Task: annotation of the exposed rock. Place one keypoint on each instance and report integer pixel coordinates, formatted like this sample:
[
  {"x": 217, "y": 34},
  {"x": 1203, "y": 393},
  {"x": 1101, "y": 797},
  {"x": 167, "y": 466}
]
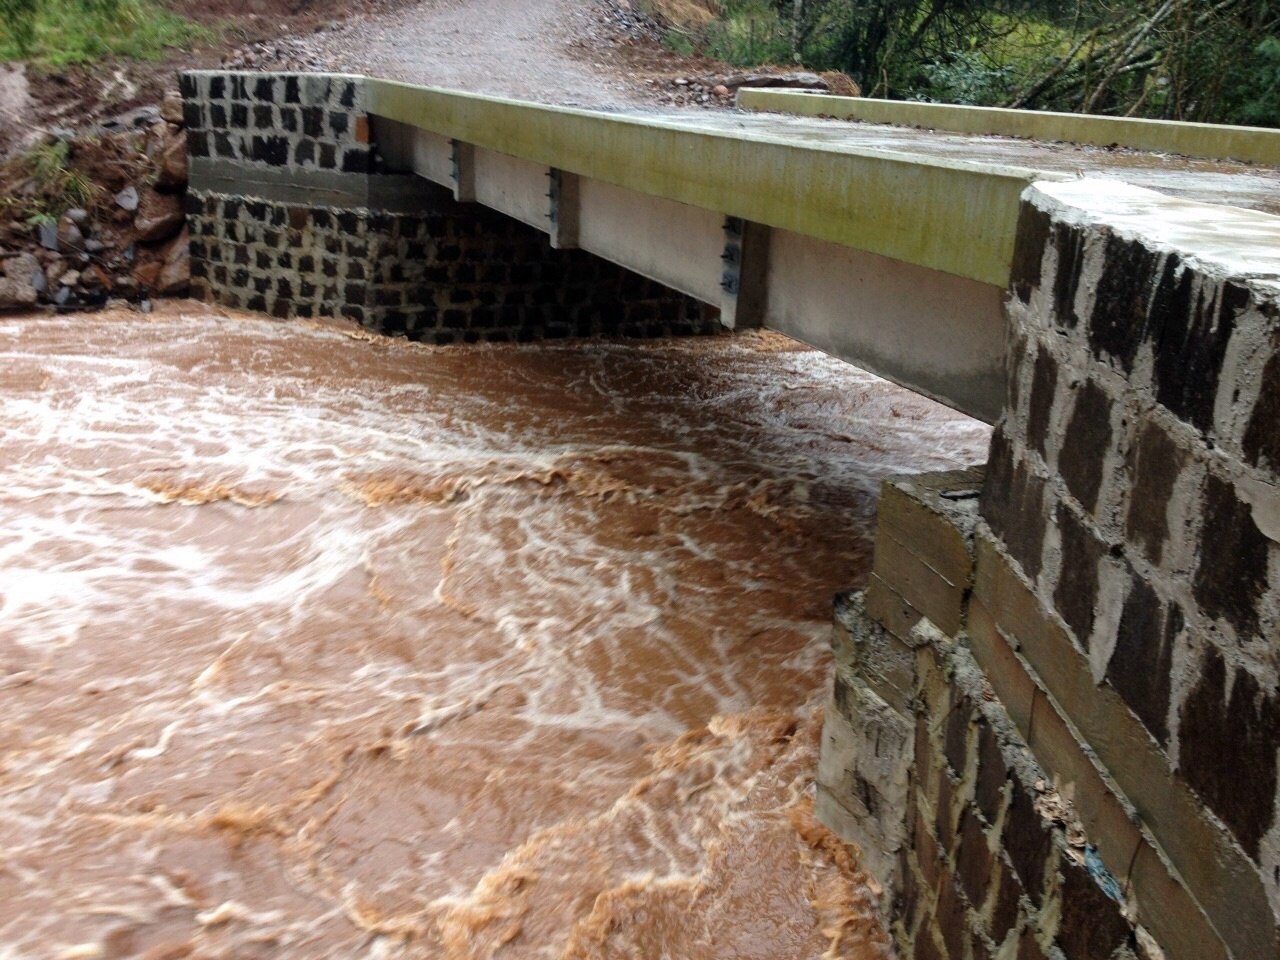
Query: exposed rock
[
  {"x": 175, "y": 274},
  {"x": 171, "y": 108},
  {"x": 148, "y": 274},
  {"x": 95, "y": 278},
  {"x": 794, "y": 81},
  {"x": 69, "y": 235},
  {"x": 18, "y": 285},
  {"x": 160, "y": 215},
  {"x": 78, "y": 216},
  {"x": 70, "y": 278},
  {"x": 127, "y": 199},
  {"x": 172, "y": 175},
  {"x": 48, "y": 235}
]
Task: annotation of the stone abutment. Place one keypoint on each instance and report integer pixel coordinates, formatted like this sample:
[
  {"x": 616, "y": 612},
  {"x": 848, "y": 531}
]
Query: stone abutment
[
  {"x": 1056, "y": 717},
  {"x": 293, "y": 213}
]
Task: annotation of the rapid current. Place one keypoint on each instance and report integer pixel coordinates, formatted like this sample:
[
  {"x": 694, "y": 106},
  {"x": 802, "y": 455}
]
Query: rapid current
[{"x": 315, "y": 644}]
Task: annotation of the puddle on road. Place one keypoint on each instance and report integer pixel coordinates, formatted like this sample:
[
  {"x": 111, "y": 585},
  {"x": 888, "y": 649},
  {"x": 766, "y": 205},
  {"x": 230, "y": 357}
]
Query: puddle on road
[{"x": 314, "y": 644}]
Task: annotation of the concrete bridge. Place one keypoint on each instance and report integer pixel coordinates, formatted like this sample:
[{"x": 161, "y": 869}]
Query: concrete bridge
[{"x": 1055, "y": 722}]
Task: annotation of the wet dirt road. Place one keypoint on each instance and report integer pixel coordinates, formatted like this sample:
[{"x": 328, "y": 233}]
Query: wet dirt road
[{"x": 316, "y": 644}]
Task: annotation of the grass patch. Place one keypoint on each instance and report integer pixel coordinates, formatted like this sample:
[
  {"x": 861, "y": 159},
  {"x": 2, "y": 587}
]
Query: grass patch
[
  {"x": 743, "y": 33},
  {"x": 59, "y": 33}
]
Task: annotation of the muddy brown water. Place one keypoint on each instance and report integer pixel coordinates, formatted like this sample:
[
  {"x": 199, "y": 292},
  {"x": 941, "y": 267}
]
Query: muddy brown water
[{"x": 317, "y": 644}]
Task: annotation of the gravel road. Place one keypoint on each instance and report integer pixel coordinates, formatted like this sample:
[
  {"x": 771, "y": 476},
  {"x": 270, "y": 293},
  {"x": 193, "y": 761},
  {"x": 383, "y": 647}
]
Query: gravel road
[{"x": 553, "y": 51}]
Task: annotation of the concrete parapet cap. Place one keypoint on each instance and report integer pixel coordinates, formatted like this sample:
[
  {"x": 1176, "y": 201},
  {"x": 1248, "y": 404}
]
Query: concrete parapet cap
[
  {"x": 1212, "y": 140},
  {"x": 1227, "y": 241}
]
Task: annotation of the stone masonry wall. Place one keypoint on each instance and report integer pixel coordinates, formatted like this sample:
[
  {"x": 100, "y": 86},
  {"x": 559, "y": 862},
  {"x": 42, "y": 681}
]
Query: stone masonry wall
[
  {"x": 454, "y": 274},
  {"x": 980, "y": 855},
  {"x": 1133, "y": 483},
  {"x": 1056, "y": 713},
  {"x": 292, "y": 215},
  {"x": 296, "y": 121}
]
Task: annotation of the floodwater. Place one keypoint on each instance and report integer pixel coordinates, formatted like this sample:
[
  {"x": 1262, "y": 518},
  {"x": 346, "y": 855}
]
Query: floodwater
[{"x": 317, "y": 644}]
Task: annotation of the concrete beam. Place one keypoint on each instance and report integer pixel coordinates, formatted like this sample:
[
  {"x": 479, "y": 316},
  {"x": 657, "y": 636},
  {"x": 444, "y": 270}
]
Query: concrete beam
[
  {"x": 1210, "y": 140},
  {"x": 566, "y": 209},
  {"x": 462, "y": 172},
  {"x": 744, "y": 302},
  {"x": 951, "y": 216}
]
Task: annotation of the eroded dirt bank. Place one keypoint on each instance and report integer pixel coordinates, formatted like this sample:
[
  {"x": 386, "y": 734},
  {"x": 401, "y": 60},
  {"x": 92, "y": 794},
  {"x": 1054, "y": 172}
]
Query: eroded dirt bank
[{"x": 318, "y": 645}]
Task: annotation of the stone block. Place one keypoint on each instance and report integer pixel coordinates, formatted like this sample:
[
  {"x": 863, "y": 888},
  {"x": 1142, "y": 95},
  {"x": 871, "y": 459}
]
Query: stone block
[
  {"x": 1032, "y": 237},
  {"x": 1091, "y": 925},
  {"x": 973, "y": 859},
  {"x": 1141, "y": 664},
  {"x": 1076, "y": 594},
  {"x": 1231, "y": 576},
  {"x": 992, "y": 774},
  {"x": 1013, "y": 504},
  {"x": 1262, "y": 436},
  {"x": 1068, "y": 243},
  {"x": 1192, "y": 319},
  {"x": 1044, "y": 388},
  {"x": 1118, "y": 324},
  {"x": 919, "y": 584},
  {"x": 1086, "y": 443},
  {"x": 933, "y": 515},
  {"x": 889, "y": 608},
  {"x": 952, "y": 920},
  {"x": 1155, "y": 463},
  {"x": 1238, "y": 783},
  {"x": 955, "y": 743},
  {"x": 1027, "y": 842},
  {"x": 1007, "y": 904}
]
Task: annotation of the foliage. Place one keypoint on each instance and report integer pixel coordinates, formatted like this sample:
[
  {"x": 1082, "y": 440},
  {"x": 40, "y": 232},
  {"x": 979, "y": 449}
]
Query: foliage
[
  {"x": 1206, "y": 60},
  {"x": 52, "y": 188},
  {"x": 57, "y": 33}
]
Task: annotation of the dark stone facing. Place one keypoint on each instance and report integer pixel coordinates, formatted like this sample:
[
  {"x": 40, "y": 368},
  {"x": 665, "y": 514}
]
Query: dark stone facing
[
  {"x": 1028, "y": 252},
  {"x": 1232, "y": 573},
  {"x": 1069, "y": 243},
  {"x": 1192, "y": 328},
  {"x": 1118, "y": 325},
  {"x": 299, "y": 261},
  {"x": 1013, "y": 498},
  {"x": 973, "y": 859},
  {"x": 1077, "y": 593},
  {"x": 1027, "y": 842},
  {"x": 956, "y": 741},
  {"x": 1044, "y": 385},
  {"x": 1141, "y": 663},
  {"x": 993, "y": 773},
  {"x": 1262, "y": 437},
  {"x": 1155, "y": 463},
  {"x": 1092, "y": 925},
  {"x": 1238, "y": 784},
  {"x": 1086, "y": 443}
]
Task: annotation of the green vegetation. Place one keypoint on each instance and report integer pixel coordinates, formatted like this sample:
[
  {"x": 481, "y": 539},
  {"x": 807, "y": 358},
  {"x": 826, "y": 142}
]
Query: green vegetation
[
  {"x": 52, "y": 188},
  {"x": 58, "y": 33},
  {"x": 1207, "y": 60}
]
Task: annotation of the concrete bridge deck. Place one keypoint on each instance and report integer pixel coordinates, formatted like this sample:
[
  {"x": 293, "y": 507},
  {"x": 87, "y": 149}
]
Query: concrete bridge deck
[
  {"x": 1206, "y": 180},
  {"x": 888, "y": 247}
]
